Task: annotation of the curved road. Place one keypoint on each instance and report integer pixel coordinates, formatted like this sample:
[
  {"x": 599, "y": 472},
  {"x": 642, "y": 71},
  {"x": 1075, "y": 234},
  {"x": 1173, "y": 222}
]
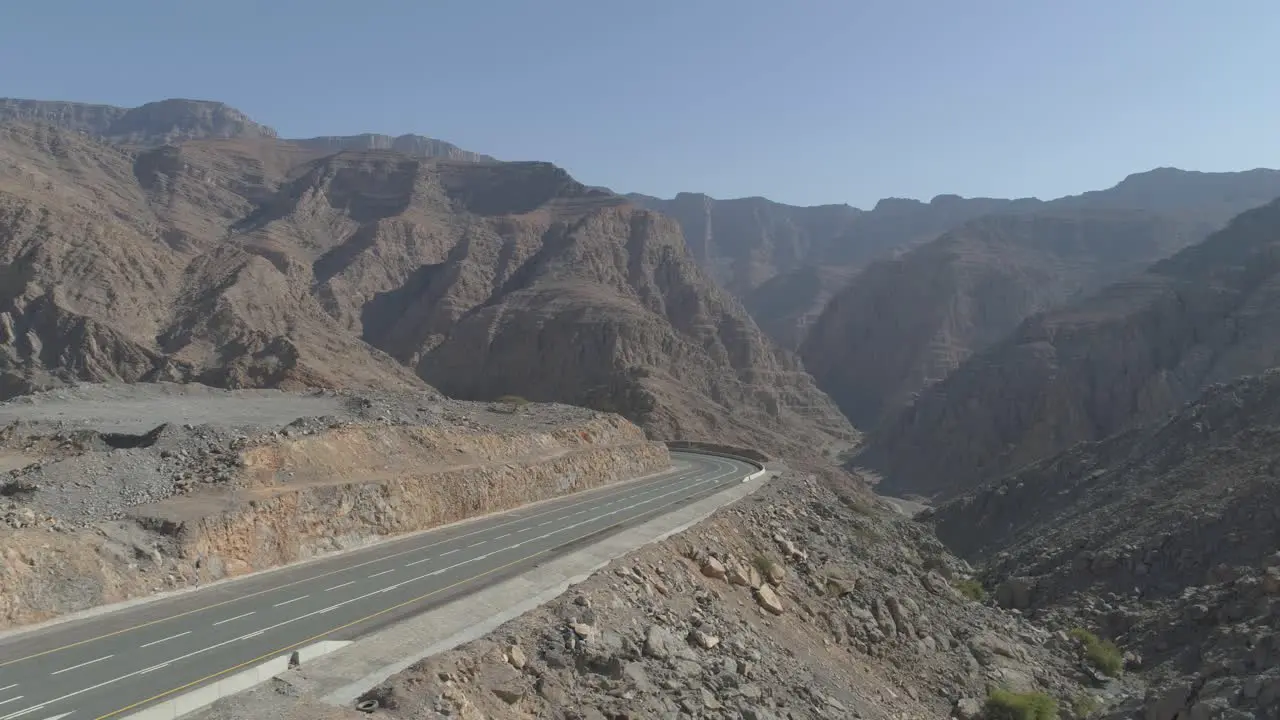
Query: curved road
[{"x": 115, "y": 664}]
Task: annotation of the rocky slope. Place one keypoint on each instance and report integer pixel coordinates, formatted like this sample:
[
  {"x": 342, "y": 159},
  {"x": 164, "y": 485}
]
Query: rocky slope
[
  {"x": 801, "y": 601},
  {"x": 1132, "y": 352},
  {"x": 1162, "y": 537},
  {"x": 259, "y": 263},
  {"x": 905, "y": 323},
  {"x": 785, "y": 262},
  {"x": 154, "y": 123},
  {"x": 175, "y": 120},
  {"x": 119, "y": 265},
  {"x": 104, "y": 512},
  {"x": 412, "y": 145}
]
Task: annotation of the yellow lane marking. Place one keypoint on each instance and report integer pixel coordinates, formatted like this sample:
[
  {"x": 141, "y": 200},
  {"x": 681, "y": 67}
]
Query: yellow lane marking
[
  {"x": 238, "y": 598},
  {"x": 313, "y": 638}
]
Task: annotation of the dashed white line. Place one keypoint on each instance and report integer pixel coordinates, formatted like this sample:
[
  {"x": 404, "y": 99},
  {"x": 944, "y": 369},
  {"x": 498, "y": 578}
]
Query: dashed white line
[
  {"x": 502, "y": 536},
  {"x": 8, "y": 687},
  {"x": 384, "y": 572},
  {"x": 449, "y": 552},
  {"x": 525, "y": 529},
  {"x": 477, "y": 544},
  {"x": 171, "y": 637},
  {"x": 233, "y": 619},
  {"x": 335, "y": 587},
  {"x": 418, "y": 562},
  {"x": 76, "y": 667},
  {"x": 286, "y": 602},
  {"x": 12, "y": 699},
  {"x": 164, "y": 664}
]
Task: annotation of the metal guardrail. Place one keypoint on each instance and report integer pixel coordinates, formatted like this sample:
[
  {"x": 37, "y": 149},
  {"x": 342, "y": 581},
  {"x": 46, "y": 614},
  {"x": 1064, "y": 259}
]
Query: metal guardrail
[{"x": 751, "y": 457}]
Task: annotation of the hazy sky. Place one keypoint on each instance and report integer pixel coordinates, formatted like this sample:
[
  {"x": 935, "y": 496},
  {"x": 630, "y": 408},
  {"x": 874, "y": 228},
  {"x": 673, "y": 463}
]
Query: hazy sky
[{"x": 802, "y": 101}]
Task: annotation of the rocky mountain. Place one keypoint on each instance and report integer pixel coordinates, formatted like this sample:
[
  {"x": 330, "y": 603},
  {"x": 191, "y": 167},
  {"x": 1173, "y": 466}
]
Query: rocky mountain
[
  {"x": 412, "y": 145},
  {"x": 907, "y": 322},
  {"x": 154, "y": 123},
  {"x": 263, "y": 263},
  {"x": 787, "y": 262},
  {"x": 1134, "y": 351},
  {"x": 1162, "y": 537},
  {"x": 175, "y": 120}
]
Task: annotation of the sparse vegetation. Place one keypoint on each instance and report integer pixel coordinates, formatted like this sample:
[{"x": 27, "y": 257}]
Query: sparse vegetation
[
  {"x": 1083, "y": 705},
  {"x": 1007, "y": 705},
  {"x": 1102, "y": 654},
  {"x": 515, "y": 400},
  {"x": 762, "y": 563},
  {"x": 972, "y": 589}
]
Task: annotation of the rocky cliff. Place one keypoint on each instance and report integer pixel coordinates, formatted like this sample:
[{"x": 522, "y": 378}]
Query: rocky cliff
[
  {"x": 97, "y": 517},
  {"x": 905, "y": 323},
  {"x": 260, "y": 263},
  {"x": 176, "y": 120},
  {"x": 785, "y": 262},
  {"x": 1132, "y": 352},
  {"x": 1162, "y": 537},
  {"x": 154, "y": 123},
  {"x": 413, "y": 145}
]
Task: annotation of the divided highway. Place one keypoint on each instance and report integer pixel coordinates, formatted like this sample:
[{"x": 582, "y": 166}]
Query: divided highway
[{"x": 115, "y": 664}]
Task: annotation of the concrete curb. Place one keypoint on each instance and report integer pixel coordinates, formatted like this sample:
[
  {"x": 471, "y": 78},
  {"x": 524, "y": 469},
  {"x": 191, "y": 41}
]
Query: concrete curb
[{"x": 207, "y": 695}]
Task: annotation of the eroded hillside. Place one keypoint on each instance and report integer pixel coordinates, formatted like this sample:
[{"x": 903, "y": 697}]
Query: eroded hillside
[
  {"x": 1132, "y": 352},
  {"x": 260, "y": 263}
]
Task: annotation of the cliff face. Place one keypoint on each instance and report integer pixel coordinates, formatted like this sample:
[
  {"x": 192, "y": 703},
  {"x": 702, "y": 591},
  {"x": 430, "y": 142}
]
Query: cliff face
[
  {"x": 260, "y": 263},
  {"x": 287, "y": 497},
  {"x": 786, "y": 262},
  {"x": 154, "y": 123},
  {"x": 1173, "y": 523},
  {"x": 905, "y": 323},
  {"x": 494, "y": 279},
  {"x": 413, "y": 145},
  {"x": 1130, "y": 353}
]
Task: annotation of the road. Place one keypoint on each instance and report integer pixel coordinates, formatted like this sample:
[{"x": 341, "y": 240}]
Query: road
[{"x": 115, "y": 664}]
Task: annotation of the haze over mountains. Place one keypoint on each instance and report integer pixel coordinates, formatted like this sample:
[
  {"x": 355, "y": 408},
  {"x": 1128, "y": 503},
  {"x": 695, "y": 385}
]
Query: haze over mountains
[
  {"x": 1042, "y": 369},
  {"x": 252, "y": 261}
]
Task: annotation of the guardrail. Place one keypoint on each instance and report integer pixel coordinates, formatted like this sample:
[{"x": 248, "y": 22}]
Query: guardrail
[{"x": 746, "y": 455}]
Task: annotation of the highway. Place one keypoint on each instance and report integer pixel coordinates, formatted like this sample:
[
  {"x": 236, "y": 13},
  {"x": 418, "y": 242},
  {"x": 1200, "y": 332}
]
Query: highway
[{"x": 115, "y": 664}]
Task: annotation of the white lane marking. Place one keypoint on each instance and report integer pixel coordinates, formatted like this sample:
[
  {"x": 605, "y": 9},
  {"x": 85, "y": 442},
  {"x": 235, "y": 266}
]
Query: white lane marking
[
  {"x": 502, "y": 536},
  {"x": 12, "y": 699},
  {"x": 525, "y": 529},
  {"x": 233, "y": 619},
  {"x": 477, "y": 544},
  {"x": 77, "y": 667},
  {"x": 419, "y": 562},
  {"x": 450, "y": 552},
  {"x": 253, "y": 634},
  {"x": 171, "y": 637},
  {"x": 288, "y": 602},
  {"x": 81, "y": 691},
  {"x": 545, "y": 523},
  {"x": 59, "y": 717},
  {"x": 384, "y": 572},
  {"x": 156, "y": 667},
  {"x": 8, "y": 687},
  {"x": 335, "y": 587}
]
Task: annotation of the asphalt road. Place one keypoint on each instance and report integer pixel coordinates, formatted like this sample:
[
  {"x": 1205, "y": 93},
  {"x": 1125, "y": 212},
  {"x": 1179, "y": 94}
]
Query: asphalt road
[{"x": 118, "y": 663}]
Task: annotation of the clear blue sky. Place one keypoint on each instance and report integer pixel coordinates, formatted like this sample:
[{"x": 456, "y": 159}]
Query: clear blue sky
[{"x": 802, "y": 101}]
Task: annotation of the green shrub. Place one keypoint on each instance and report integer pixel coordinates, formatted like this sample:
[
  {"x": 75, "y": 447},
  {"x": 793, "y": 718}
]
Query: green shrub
[
  {"x": 971, "y": 589},
  {"x": 1083, "y": 705},
  {"x": 513, "y": 400},
  {"x": 1102, "y": 654},
  {"x": 1006, "y": 705},
  {"x": 764, "y": 563}
]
